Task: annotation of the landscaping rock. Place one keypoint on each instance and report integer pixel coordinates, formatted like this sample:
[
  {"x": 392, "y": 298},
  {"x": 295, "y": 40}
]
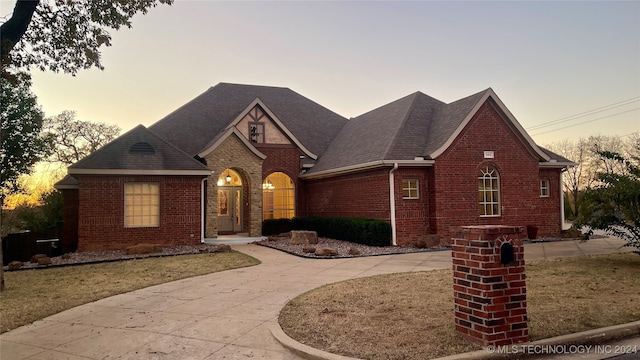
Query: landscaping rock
[
  {"x": 354, "y": 251},
  {"x": 66, "y": 256},
  {"x": 44, "y": 261},
  {"x": 223, "y": 248},
  {"x": 303, "y": 237},
  {"x": 14, "y": 265},
  {"x": 34, "y": 258},
  {"x": 326, "y": 252},
  {"x": 428, "y": 241},
  {"x": 144, "y": 249},
  {"x": 309, "y": 249}
]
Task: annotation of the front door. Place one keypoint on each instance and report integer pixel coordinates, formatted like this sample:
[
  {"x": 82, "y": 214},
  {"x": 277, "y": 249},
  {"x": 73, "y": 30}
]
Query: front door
[{"x": 229, "y": 202}]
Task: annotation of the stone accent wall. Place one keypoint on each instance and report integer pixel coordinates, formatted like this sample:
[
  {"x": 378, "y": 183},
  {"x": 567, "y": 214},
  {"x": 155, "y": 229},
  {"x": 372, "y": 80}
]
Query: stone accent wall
[
  {"x": 233, "y": 154},
  {"x": 101, "y": 212},
  {"x": 490, "y": 297}
]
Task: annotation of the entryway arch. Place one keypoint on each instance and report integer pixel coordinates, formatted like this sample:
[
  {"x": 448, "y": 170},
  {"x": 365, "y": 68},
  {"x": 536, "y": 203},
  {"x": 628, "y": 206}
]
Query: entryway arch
[{"x": 278, "y": 197}]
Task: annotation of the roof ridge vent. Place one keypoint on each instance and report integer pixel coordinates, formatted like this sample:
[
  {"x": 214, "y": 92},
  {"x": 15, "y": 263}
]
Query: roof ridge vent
[{"x": 142, "y": 148}]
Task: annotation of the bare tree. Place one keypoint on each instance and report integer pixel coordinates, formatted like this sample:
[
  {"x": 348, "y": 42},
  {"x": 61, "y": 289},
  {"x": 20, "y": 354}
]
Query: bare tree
[{"x": 74, "y": 139}]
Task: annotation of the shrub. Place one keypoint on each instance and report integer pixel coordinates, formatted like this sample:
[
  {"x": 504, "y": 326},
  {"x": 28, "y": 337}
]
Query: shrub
[{"x": 358, "y": 230}]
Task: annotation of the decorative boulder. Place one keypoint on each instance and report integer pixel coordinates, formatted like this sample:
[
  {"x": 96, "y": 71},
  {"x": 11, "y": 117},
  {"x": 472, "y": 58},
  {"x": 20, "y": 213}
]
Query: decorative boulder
[
  {"x": 14, "y": 265},
  {"x": 354, "y": 252},
  {"x": 303, "y": 237},
  {"x": 143, "y": 249},
  {"x": 34, "y": 258},
  {"x": 309, "y": 249},
  {"x": 326, "y": 252},
  {"x": 223, "y": 248},
  {"x": 66, "y": 256},
  {"x": 44, "y": 261}
]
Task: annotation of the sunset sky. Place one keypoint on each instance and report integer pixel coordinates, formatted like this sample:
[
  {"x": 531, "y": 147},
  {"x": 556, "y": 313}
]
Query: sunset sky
[{"x": 547, "y": 61}]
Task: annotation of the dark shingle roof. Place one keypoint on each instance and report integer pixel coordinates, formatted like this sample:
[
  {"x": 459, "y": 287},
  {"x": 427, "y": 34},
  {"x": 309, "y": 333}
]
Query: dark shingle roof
[
  {"x": 556, "y": 157},
  {"x": 411, "y": 127},
  {"x": 197, "y": 123},
  {"x": 138, "y": 149}
]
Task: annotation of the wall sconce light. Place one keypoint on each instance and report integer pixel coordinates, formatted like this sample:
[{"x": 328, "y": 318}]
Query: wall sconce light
[{"x": 228, "y": 178}]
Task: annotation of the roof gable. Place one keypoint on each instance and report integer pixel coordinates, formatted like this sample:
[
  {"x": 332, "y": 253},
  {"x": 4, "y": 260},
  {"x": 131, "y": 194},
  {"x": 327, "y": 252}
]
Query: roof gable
[
  {"x": 259, "y": 108},
  {"x": 139, "y": 151},
  {"x": 457, "y": 115}
]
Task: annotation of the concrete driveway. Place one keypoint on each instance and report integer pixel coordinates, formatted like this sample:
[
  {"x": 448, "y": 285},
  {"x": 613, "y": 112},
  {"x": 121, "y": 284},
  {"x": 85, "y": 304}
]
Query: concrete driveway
[{"x": 225, "y": 315}]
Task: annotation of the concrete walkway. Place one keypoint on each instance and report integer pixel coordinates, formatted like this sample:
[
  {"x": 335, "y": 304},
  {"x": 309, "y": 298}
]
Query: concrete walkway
[{"x": 225, "y": 315}]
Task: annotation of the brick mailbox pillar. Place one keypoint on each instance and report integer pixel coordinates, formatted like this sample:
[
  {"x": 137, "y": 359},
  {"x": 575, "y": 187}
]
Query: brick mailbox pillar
[{"x": 490, "y": 294}]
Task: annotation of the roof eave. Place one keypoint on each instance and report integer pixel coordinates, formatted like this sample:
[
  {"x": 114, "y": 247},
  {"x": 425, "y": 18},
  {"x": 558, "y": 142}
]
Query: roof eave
[
  {"x": 556, "y": 164},
  {"x": 139, "y": 172},
  {"x": 366, "y": 166}
]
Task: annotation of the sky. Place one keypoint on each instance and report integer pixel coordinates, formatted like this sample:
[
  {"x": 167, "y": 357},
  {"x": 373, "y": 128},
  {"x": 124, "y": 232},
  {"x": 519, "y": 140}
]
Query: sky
[{"x": 565, "y": 70}]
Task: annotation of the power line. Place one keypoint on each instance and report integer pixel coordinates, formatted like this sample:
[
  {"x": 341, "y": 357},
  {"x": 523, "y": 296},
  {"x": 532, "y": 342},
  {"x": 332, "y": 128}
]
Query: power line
[
  {"x": 588, "y": 121},
  {"x": 585, "y": 113}
]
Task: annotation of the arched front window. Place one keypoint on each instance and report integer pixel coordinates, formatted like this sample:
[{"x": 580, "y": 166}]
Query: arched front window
[
  {"x": 489, "y": 191},
  {"x": 278, "y": 197}
]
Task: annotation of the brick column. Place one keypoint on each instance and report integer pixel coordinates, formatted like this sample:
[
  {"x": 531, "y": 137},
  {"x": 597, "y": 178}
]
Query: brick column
[{"x": 489, "y": 296}]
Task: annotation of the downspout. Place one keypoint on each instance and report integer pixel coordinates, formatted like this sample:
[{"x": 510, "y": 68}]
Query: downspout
[
  {"x": 392, "y": 204},
  {"x": 561, "y": 202},
  {"x": 202, "y": 199}
]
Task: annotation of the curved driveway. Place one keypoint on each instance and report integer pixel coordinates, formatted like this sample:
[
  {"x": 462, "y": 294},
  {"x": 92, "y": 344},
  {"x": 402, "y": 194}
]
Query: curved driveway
[{"x": 225, "y": 315}]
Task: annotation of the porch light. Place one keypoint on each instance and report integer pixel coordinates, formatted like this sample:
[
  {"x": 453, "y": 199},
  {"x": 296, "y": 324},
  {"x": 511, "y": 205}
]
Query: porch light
[{"x": 228, "y": 178}]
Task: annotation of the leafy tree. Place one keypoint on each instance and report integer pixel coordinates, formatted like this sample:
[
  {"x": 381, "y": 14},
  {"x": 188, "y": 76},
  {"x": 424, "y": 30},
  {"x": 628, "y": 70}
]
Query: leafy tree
[
  {"x": 22, "y": 143},
  {"x": 74, "y": 139},
  {"x": 64, "y": 35},
  {"x": 613, "y": 205}
]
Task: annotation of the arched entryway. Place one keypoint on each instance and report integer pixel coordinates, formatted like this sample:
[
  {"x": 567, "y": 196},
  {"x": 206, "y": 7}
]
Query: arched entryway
[
  {"x": 230, "y": 204},
  {"x": 278, "y": 197}
]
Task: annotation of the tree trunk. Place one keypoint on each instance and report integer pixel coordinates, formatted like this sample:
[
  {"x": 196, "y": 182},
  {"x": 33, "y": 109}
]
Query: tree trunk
[
  {"x": 12, "y": 31},
  {"x": 1, "y": 268}
]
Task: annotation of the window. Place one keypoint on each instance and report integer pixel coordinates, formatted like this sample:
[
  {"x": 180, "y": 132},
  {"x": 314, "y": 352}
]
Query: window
[
  {"x": 141, "y": 204},
  {"x": 256, "y": 132},
  {"x": 410, "y": 189},
  {"x": 544, "y": 188},
  {"x": 489, "y": 192},
  {"x": 278, "y": 198}
]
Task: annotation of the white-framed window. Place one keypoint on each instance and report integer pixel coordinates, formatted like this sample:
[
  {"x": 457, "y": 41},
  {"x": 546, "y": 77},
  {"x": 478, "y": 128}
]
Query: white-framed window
[
  {"x": 141, "y": 204},
  {"x": 544, "y": 188},
  {"x": 410, "y": 189},
  {"x": 489, "y": 191}
]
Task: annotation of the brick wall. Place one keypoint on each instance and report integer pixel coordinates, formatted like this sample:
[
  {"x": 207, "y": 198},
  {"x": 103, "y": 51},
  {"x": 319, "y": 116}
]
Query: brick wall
[
  {"x": 101, "y": 212},
  {"x": 69, "y": 237},
  {"x": 455, "y": 198},
  {"x": 412, "y": 216},
  {"x": 364, "y": 194}
]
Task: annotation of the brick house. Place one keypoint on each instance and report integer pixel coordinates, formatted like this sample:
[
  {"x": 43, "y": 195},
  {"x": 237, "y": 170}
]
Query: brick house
[{"x": 238, "y": 154}]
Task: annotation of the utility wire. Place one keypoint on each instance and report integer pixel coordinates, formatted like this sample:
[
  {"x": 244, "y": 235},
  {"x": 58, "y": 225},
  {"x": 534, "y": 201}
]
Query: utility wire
[
  {"x": 586, "y": 113},
  {"x": 588, "y": 121}
]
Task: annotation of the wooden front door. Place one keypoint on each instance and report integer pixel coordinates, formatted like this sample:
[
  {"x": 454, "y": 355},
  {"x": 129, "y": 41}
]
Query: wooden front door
[{"x": 230, "y": 209}]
